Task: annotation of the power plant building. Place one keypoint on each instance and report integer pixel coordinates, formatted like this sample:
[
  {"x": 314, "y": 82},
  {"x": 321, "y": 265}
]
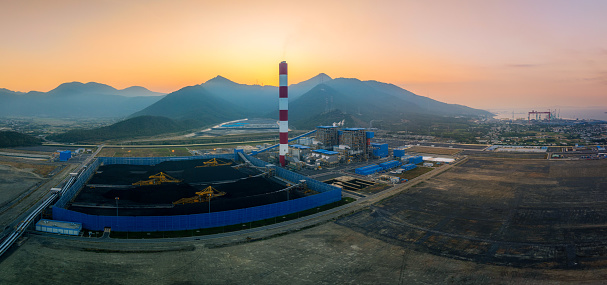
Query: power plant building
[
  {"x": 330, "y": 157},
  {"x": 327, "y": 136},
  {"x": 380, "y": 149},
  {"x": 356, "y": 139},
  {"x": 65, "y": 155},
  {"x": 299, "y": 151}
]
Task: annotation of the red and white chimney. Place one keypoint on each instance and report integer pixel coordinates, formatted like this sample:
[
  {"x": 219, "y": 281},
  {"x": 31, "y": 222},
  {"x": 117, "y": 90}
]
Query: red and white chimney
[{"x": 283, "y": 107}]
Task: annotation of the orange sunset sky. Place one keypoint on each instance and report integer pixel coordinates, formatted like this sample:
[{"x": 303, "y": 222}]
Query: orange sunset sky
[{"x": 483, "y": 53}]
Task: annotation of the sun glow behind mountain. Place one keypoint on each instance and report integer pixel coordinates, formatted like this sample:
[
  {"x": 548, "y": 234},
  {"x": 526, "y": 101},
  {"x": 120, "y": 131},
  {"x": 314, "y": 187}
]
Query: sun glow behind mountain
[{"x": 477, "y": 53}]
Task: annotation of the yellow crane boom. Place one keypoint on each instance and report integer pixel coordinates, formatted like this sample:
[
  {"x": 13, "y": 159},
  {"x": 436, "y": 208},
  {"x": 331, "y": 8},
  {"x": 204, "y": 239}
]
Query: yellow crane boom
[
  {"x": 203, "y": 196},
  {"x": 214, "y": 162},
  {"x": 157, "y": 179}
]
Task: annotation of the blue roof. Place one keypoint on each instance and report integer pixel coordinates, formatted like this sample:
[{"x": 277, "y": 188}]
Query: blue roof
[
  {"x": 353, "y": 129},
  {"x": 323, "y": 151},
  {"x": 326, "y": 127},
  {"x": 299, "y": 146}
]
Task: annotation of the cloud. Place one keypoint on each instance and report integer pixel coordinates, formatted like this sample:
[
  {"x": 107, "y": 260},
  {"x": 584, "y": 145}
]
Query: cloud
[
  {"x": 523, "y": 65},
  {"x": 601, "y": 77}
]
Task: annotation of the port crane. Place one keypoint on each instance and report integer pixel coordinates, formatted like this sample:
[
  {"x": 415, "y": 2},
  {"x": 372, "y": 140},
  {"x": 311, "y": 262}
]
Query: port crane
[
  {"x": 203, "y": 196},
  {"x": 157, "y": 179},
  {"x": 214, "y": 162}
]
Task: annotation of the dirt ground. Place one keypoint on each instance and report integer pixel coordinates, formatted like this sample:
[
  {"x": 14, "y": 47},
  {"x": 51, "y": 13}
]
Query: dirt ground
[
  {"x": 434, "y": 150},
  {"x": 14, "y": 181},
  {"x": 487, "y": 221},
  {"x": 17, "y": 175},
  {"x": 22, "y": 185},
  {"x": 525, "y": 213},
  {"x": 40, "y": 169},
  {"x": 326, "y": 254}
]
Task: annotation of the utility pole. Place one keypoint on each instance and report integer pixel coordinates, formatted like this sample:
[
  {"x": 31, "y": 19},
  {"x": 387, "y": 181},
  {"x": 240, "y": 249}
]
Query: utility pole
[{"x": 117, "y": 198}]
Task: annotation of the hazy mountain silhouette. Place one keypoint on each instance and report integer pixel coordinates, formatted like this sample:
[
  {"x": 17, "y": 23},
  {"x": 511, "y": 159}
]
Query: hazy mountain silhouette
[
  {"x": 75, "y": 99},
  {"x": 426, "y": 104},
  {"x": 221, "y": 99},
  {"x": 194, "y": 103},
  {"x": 253, "y": 98},
  {"x": 257, "y": 99},
  {"x": 296, "y": 90},
  {"x": 367, "y": 100},
  {"x": 318, "y": 100},
  {"x": 138, "y": 91}
]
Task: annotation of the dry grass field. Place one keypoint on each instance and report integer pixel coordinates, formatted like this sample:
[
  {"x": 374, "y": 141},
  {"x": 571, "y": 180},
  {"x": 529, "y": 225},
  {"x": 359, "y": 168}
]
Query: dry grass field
[
  {"x": 433, "y": 150},
  {"x": 40, "y": 169},
  {"x": 144, "y": 152}
]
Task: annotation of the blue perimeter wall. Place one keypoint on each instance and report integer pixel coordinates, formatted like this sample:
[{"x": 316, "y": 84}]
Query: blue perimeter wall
[{"x": 327, "y": 194}]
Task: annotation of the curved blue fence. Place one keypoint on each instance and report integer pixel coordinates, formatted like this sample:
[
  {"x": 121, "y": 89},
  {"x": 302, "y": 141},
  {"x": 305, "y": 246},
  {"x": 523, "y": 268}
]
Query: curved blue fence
[{"x": 328, "y": 194}]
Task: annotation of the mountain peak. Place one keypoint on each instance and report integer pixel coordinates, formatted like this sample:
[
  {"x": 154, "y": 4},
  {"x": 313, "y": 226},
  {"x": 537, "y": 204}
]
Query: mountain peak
[
  {"x": 220, "y": 79},
  {"x": 79, "y": 87},
  {"x": 318, "y": 79},
  {"x": 135, "y": 91},
  {"x": 322, "y": 76},
  {"x": 69, "y": 84},
  {"x": 136, "y": 88}
]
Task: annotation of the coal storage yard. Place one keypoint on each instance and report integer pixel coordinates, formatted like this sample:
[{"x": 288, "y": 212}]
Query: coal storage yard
[{"x": 243, "y": 187}]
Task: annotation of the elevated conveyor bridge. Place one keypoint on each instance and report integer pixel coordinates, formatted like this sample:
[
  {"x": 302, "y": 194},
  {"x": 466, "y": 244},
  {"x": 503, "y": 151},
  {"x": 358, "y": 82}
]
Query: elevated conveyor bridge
[{"x": 276, "y": 145}]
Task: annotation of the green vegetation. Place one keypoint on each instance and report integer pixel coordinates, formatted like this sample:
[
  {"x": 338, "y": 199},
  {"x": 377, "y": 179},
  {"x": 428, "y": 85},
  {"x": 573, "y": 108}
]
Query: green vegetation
[
  {"x": 375, "y": 188},
  {"x": 415, "y": 172},
  {"x": 327, "y": 118},
  {"x": 458, "y": 129},
  {"x": 230, "y": 228},
  {"x": 196, "y": 104},
  {"x": 12, "y": 139},
  {"x": 221, "y": 141},
  {"x": 144, "y": 152},
  {"x": 136, "y": 127},
  {"x": 366, "y": 101}
]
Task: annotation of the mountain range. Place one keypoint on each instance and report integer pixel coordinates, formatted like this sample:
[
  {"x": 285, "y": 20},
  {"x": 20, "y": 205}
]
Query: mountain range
[
  {"x": 220, "y": 99},
  {"x": 316, "y": 101},
  {"x": 77, "y": 100}
]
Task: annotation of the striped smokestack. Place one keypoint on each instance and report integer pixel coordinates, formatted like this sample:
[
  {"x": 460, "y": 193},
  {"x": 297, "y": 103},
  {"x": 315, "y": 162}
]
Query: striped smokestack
[{"x": 283, "y": 107}]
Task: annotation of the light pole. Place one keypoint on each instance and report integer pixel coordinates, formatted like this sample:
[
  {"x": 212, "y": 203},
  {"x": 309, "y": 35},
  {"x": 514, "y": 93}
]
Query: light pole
[{"x": 117, "y": 198}]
